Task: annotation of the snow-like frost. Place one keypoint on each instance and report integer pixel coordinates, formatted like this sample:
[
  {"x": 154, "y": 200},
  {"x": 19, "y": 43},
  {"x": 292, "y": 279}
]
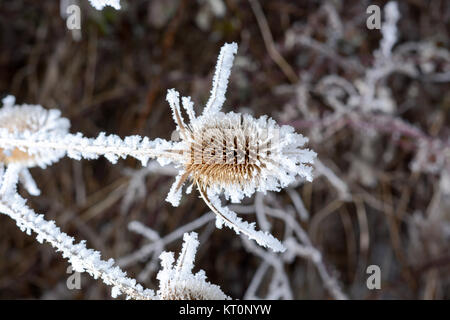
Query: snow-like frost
[
  {"x": 100, "y": 4},
  {"x": 232, "y": 221},
  {"x": 233, "y": 154},
  {"x": 29, "y": 122},
  {"x": 239, "y": 154},
  {"x": 33, "y": 136},
  {"x": 174, "y": 195},
  {"x": 389, "y": 28},
  {"x": 81, "y": 258},
  {"x": 177, "y": 282},
  {"x": 220, "y": 80}
]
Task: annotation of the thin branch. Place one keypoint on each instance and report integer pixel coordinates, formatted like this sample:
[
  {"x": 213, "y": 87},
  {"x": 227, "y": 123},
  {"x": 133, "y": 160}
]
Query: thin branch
[{"x": 81, "y": 258}]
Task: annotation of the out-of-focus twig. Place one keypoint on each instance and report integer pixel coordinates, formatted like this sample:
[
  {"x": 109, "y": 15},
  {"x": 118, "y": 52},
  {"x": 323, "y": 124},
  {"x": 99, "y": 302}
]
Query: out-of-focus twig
[{"x": 269, "y": 43}]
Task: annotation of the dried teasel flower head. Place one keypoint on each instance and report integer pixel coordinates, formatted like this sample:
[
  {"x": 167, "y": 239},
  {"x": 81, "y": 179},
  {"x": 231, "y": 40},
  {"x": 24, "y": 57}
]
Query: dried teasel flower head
[
  {"x": 22, "y": 122},
  {"x": 237, "y": 155},
  {"x": 234, "y": 154}
]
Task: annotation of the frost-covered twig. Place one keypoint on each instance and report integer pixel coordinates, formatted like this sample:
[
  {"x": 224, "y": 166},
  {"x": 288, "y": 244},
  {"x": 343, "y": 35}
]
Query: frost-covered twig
[
  {"x": 284, "y": 290},
  {"x": 225, "y": 216},
  {"x": 159, "y": 245},
  {"x": 303, "y": 248},
  {"x": 298, "y": 204},
  {"x": 81, "y": 258},
  {"x": 100, "y": 4},
  {"x": 139, "y": 228},
  {"x": 250, "y": 293},
  {"x": 33, "y": 136},
  {"x": 389, "y": 28},
  {"x": 337, "y": 182}
]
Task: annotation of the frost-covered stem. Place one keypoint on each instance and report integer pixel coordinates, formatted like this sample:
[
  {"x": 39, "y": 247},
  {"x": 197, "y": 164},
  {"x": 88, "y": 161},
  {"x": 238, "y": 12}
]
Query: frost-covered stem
[
  {"x": 177, "y": 282},
  {"x": 250, "y": 294},
  {"x": 225, "y": 216},
  {"x": 81, "y": 258},
  {"x": 221, "y": 75},
  {"x": 310, "y": 252},
  {"x": 143, "y": 230},
  {"x": 100, "y": 4},
  {"x": 76, "y": 146},
  {"x": 389, "y": 28},
  {"x": 148, "y": 249}
]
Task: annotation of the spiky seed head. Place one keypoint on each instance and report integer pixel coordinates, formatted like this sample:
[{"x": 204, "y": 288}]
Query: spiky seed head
[{"x": 237, "y": 154}]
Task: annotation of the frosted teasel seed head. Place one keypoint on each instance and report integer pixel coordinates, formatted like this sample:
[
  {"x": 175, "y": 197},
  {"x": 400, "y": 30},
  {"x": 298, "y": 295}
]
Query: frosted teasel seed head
[
  {"x": 234, "y": 154},
  {"x": 29, "y": 122}
]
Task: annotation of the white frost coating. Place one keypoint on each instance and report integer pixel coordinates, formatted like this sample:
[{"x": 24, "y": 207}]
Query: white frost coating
[
  {"x": 141, "y": 229},
  {"x": 389, "y": 28},
  {"x": 81, "y": 258},
  {"x": 174, "y": 195},
  {"x": 278, "y": 169},
  {"x": 33, "y": 136},
  {"x": 8, "y": 179},
  {"x": 173, "y": 99},
  {"x": 100, "y": 4},
  {"x": 29, "y": 122},
  {"x": 185, "y": 262},
  {"x": 8, "y": 101},
  {"x": 45, "y": 148},
  {"x": 28, "y": 182},
  {"x": 232, "y": 221},
  {"x": 188, "y": 105},
  {"x": 177, "y": 282},
  {"x": 221, "y": 75}
]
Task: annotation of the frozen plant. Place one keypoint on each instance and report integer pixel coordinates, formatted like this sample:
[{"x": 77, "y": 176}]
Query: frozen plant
[
  {"x": 33, "y": 136},
  {"x": 234, "y": 154},
  {"x": 221, "y": 153},
  {"x": 81, "y": 258}
]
